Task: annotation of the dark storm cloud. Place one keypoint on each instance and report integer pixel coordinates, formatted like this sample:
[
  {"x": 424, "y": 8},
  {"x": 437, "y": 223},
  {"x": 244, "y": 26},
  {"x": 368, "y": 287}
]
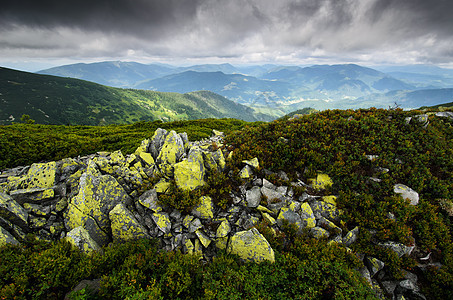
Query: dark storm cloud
[
  {"x": 247, "y": 29},
  {"x": 138, "y": 16}
]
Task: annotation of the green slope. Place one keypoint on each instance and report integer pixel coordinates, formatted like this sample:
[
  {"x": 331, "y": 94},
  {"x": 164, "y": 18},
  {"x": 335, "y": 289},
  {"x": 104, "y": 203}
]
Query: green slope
[{"x": 56, "y": 100}]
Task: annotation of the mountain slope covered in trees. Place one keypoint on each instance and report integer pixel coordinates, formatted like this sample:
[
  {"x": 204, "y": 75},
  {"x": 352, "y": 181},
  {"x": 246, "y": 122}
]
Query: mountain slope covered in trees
[{"x": 56, "y": 100}]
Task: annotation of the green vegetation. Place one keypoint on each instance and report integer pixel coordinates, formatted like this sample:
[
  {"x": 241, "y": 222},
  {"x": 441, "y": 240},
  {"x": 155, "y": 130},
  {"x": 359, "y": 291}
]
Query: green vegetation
[
  {"x": 337, "y": 143},
  {"x": 136, "y": 270},
  {"x": 334, "y": 142},
  {"x": 22, "y": 144},
  {"x": 65, "y": 101}
]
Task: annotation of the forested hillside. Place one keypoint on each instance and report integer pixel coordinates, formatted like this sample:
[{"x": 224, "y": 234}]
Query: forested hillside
[{"x": 57, "y": 100}]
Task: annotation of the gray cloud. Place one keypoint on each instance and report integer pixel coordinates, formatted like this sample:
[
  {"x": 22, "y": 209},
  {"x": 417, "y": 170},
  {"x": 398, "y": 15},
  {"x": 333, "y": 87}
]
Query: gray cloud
[{"x": 244, "y": 30}]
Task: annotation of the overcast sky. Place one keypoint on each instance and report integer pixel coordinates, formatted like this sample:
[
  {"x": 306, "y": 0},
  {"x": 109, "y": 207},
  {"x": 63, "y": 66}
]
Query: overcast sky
[{"x": 37, "y": 34}]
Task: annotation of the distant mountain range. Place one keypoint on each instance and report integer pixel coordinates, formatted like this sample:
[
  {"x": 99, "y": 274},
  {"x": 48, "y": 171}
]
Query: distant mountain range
[
  {"x": 276, "y": 90},
  {"x": 56, "y": 100}
]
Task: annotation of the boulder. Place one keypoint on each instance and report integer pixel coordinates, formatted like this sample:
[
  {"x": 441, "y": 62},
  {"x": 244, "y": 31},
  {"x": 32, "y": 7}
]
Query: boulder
[
  {"x": 251, "y": 245},
  {"x": 253, "y": 197},
  {"x": 224, "y": 229},
  {"x": 189, "y": 174},
  {"x": 6, "y": 237},
  {"x": 351, "y": 237},
  {"x": 307, "y": 215},
  {"x": 125, "y": 226},
  {"x": 246, "y": 172},
  {"x": 398, "y": 248},
  {"x": 374, "y": 265},
  {"x": 157, "y": 142},
  {"x": 272, "y": 195},
  {"x": 80, "y": 238},
  {"x": 406, "y": 193},
  {"x": 321, "y": 182},
  {"x": 13, "y": 211},
  {"x": 205, "y": 210},
  {"x": 149, "y": 200},
  {"x": 171, "y": 152},
  {"x": 90, "y": 208},
  {"x": 254, "y": 163},
  {"x": 162, "y": 221},
  {"x": 32, "y": 195},
  {"x": 318, "y": 232},
  {"x": 290, "y": 216},
  {"x": 42, "y": 175},
  {"x": 324, "y": 209}
]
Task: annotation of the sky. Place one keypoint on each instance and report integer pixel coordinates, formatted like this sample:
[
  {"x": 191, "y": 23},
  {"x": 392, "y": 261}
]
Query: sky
[{"x": 39, "y": 34}]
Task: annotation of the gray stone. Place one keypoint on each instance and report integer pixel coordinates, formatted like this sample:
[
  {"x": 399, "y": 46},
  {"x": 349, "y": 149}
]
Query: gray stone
[
  {"x": 13, "y": 211},
  {"x": 374, "y": 265},
  {"x": 351, "y": 237},
  {"x": 445, "y": 114},
  {"x": 6, "y": 237},
  {"x": 253, "y": 197},
  {"x": 149, "y": 200},
  {"x": 271, "y": 195},
  {"x": 398, "y": 248},
  {"x": 268, "y": 184},
  {"x": 318, "y": 232},
  {"x": 406, "y": 193}
]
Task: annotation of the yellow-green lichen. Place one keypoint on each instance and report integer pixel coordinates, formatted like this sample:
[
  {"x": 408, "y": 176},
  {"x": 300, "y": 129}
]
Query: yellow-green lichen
[
  {"x": 204, "y": 239},
  {"x": 223, "y": 230},
  {"x": 252, "y": 162},
  {"x": 42, "y": 175},
  {"x": 251, "y": 245},
  {"x": 321, "y": 182},
  {"x": 124, "y": 225},
  {"x": 205, "y": 210}
]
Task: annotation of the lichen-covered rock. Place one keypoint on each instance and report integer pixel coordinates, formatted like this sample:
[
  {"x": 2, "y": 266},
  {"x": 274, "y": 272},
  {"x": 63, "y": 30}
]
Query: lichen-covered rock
[
  {"x": 318, "y": 232},
  {"x": 406, "y": 193},
  {"x": 246, "y": 172},
  {"x": 6, "y": 237},
  {"x": 290, "y": 216},
  {"x": 162, "y": 186},
  {"x": 42, "y": 175},
  {"x": 351, "y": 237},
  {"x": 157, "y": 142},
  {"x": 143, "y": 148},
  {"x": 251, "y": 245},
  {"x": 13, "y": 211},
  {"x": 254, "y": 163},
  {"x": 189, "y": 174},
  {"x": 253, "y": 197},
  {"x": 398, "y": 248},
  {"x": 32, "y": 195},
  {"x": 96, "y": 198},
  {"x": 205, "y": 210},
  {"x": 125, "y": 226},
  {"x": 307, "y": 215},
  {"x": 324, "y": 209},
  {"x": 214, "y": 161},
  {"x": 149, "y": 200},
  {"x": 224, "y": 229},
  {"x": 374, "y": 265},
  {"x": 162, "y": 221},
  {"x": 171, "y": 152},
  {"x": 269, "y": 219},
  {"x": 321, "y": 182},
  {"x": 80, "y": 238},
  {"x": 204, "y": 239}
]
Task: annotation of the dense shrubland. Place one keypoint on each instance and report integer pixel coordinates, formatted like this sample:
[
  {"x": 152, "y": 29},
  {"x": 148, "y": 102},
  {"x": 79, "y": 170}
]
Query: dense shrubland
[
  {"x": 335, "y": 142},
  {"x": 22, "y": 144}
]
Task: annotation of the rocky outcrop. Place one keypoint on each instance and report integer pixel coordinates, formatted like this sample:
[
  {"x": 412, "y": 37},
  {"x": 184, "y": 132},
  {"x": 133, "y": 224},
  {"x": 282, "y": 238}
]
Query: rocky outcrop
[{"x": 93, "y": 200}]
